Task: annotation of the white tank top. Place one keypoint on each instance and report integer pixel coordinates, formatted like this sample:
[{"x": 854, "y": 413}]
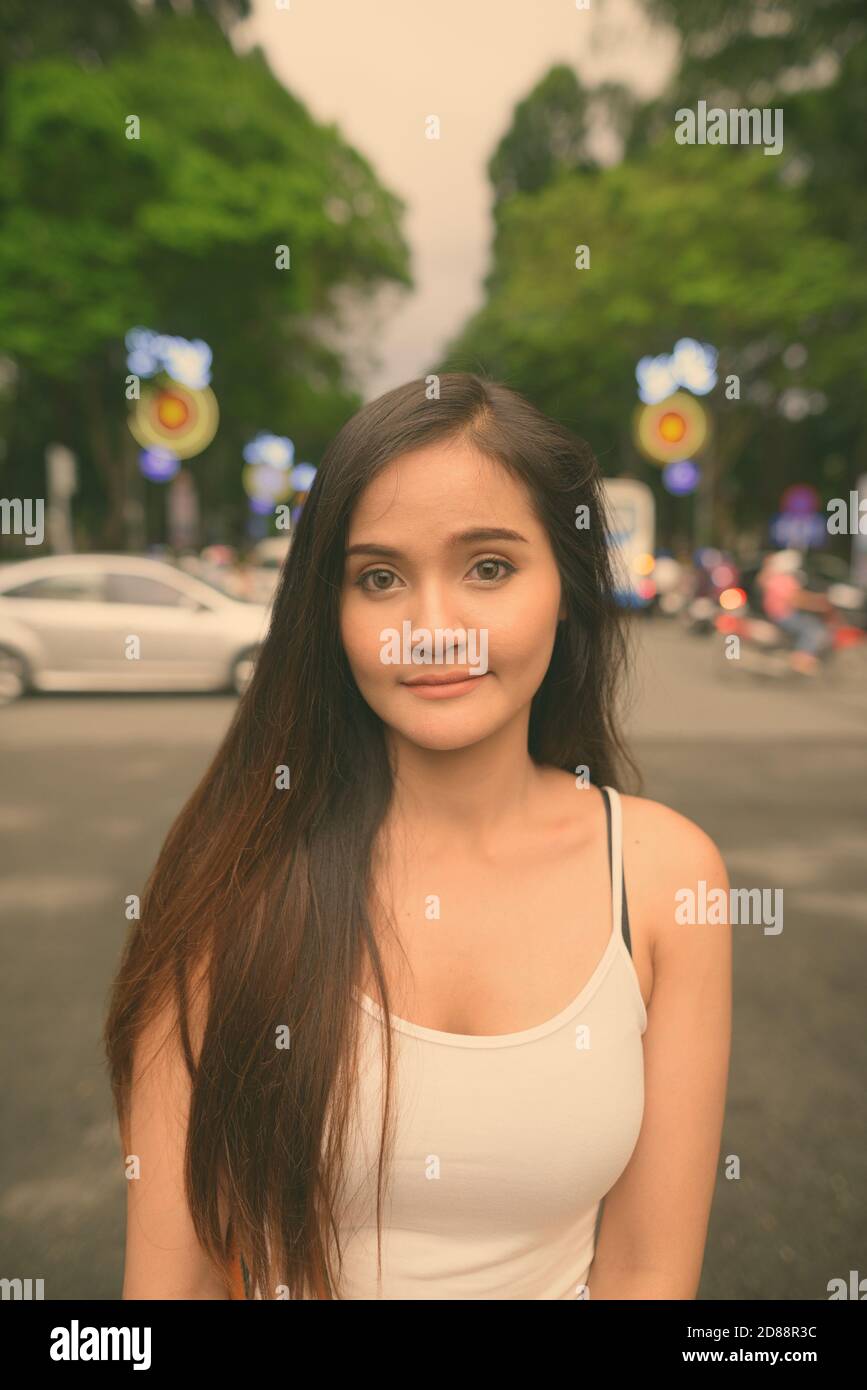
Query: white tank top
[{"x": 504, "y": 1144}]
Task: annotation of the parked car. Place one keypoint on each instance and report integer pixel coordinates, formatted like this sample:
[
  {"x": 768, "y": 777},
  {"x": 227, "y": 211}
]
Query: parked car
[{"x": 66, "y": 622}]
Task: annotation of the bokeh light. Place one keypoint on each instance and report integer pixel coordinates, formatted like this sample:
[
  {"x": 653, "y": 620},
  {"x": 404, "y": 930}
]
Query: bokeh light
[
  {"x": 681, "y": 478},
  {"x": 732, "y": 598},
  {"x": 708, "y": 557},
  {"x": 187, "y": 361},
  {"x": 672, "y": 427},
  {"x": 273, "y": 450},
  {"x": 691, "y": 365},
  {"x": 303, "y": 475},
  {"x": 175, "y": 418},
  {"x": 787, "y": 530},
  {"x": 158, "y": 465},
  {"x": 264, "y": 483},
  {"x": 672, "y": 430},
  {"x": 799, "y": 500}
]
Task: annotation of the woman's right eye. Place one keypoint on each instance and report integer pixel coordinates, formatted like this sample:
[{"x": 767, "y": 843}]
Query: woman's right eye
[{"x": 375, "y": 575}]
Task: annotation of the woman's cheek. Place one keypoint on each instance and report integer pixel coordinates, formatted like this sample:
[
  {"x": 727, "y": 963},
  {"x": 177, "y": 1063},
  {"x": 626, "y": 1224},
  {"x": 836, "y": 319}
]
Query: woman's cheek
[
  {"x": 522, "y": 639},
  {"x": 360, "y": 631}
]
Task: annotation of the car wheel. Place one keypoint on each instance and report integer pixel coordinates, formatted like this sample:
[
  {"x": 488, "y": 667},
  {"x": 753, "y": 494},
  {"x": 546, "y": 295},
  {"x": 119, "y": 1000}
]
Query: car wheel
[
  {"x": 242, "y": 670},
  {"x": 13, "y": 676}
]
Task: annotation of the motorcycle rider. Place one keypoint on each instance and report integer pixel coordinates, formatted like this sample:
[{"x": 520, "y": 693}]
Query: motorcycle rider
[{"x": 794, "y": 609}]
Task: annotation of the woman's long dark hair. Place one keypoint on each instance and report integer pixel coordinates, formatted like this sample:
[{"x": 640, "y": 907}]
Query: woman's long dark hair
[{"x": 262, "y": 891}]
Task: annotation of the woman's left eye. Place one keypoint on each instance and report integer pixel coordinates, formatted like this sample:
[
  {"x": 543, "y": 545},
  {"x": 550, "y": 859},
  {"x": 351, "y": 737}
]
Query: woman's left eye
[{"x": 490, "y": 563}]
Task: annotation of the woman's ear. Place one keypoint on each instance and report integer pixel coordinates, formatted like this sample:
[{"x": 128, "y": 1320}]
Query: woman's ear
[{"x": 562, "y": 611}]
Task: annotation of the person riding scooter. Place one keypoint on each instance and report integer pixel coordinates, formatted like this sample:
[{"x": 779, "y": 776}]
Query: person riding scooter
[{"x": 797, "y": 611}]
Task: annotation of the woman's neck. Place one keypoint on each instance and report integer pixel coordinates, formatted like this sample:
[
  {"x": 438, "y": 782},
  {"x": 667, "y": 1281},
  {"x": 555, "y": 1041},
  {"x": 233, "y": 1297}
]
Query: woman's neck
[{"x": 470, "y": 794}]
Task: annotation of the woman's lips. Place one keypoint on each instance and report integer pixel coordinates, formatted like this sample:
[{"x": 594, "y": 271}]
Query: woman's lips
[{"x": 444, "y": 688}]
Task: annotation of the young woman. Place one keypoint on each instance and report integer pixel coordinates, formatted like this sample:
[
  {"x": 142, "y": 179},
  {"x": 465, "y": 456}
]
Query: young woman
[{"x": 408, "y": 1009}]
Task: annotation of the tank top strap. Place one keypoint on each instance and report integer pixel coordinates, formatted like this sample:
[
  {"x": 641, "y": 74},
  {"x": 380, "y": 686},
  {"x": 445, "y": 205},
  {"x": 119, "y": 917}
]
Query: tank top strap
[{"x": 619, "y": 907}]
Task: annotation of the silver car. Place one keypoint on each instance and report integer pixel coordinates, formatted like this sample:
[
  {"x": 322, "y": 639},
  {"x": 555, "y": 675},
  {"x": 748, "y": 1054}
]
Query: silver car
[{"x": 121, "y": 622}]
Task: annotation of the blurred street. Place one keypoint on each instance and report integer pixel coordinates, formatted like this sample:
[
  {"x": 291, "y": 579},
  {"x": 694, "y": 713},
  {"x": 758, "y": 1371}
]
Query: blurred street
[{"x": 775, "y": 772}]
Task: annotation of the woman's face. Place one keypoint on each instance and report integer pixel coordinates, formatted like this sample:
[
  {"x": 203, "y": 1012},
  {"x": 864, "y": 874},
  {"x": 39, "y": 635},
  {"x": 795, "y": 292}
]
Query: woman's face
[{"x": 451, "y": 597}]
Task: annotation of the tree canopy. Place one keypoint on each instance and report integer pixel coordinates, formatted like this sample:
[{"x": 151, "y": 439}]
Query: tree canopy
[
  {"x": 178, "y": 228},
  {"x": 753, "y": 254}
]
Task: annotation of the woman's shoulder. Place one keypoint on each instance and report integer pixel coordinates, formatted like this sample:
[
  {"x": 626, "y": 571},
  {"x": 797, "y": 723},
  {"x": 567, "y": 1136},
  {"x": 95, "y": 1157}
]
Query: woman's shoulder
[
  {"x": 666, "y": 853},
  {"x": 658, "y": 831},
  {"x": 663, "y": 845},
  {"x": 655, "y": 836}
]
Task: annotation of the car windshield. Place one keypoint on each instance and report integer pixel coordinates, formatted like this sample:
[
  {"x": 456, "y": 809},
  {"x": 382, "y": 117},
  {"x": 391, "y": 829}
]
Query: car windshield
[{"x": 214, "y": 578}]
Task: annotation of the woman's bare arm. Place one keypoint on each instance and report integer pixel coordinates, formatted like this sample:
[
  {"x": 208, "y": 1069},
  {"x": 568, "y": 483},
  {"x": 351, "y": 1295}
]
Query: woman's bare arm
[
  {"x": 654, "y": 1220},
  {"x": 163, "y": 1257}
]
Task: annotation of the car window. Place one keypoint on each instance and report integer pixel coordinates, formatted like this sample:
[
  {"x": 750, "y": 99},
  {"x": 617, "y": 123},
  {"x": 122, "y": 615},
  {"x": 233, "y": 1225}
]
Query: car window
[
  {"x": 82, "y": 587},
  {"x": 138, "y": 588},
  {"x": 215, "y": 579}
]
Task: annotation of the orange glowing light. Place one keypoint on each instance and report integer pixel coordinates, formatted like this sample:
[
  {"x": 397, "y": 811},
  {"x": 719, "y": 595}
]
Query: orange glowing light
[
  {"x": 732, "y": 598},
  {"x": 643, "y": 564},
  {"x": 172, "y": 412},
  {"x": 671, "y": 430},
  {"x": 672, "y": 427},
  {"x": 176, "y": 418}
]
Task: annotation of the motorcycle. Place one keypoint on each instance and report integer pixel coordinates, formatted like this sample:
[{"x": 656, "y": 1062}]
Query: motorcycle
[
  {"x": 764, "y": 648},
  {"x": 713, "y": 586}
]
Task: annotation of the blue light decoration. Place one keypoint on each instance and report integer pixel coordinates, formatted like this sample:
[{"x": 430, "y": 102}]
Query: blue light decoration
[
  {"x": 655, "y": 379},
  {"x": 187, "y": 361},
  {"x": 158, "y": 465},
  {"x": 302, "y": 477},
  {"x": 708, "y": 557},
  {"x": 269, "y": 477},
  {"x": 264, "y": 483},
  {"x": 692, "y": 365},
  {"x": 272, "y": 450},
  {"x": 789, "y": 530},
  {"x": 681, "y": 478}
]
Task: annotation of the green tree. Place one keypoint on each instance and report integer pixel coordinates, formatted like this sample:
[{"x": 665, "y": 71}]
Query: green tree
[
  {"x": 697, "y": 241},
  {"x": 551, "y": 132},
  {"x": 178, "y": 229},
  {"x": 809, "y": 58},
  {"x": 548, "y": 135},
  {"x": 762, "y": 257}
]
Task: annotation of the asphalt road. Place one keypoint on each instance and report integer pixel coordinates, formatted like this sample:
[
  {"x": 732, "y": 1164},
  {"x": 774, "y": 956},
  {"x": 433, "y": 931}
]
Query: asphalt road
[{"x": 776, "y": 773}]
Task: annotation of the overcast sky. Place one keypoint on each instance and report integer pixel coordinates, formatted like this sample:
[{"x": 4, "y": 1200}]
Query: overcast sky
[{"x": 379, "y": 68}]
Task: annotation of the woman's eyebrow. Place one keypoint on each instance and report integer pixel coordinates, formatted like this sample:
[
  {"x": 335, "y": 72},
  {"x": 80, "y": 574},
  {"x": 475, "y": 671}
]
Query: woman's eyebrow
[{"x": 476, "y": 534}]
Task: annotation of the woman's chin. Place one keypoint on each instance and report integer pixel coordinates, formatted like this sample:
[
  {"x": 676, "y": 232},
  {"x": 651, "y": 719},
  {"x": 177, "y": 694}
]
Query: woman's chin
[{"x": 444, "y": 730}]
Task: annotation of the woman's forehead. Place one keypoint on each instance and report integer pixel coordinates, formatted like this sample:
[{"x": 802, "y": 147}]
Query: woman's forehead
[{"x": 442, "y": 486}]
